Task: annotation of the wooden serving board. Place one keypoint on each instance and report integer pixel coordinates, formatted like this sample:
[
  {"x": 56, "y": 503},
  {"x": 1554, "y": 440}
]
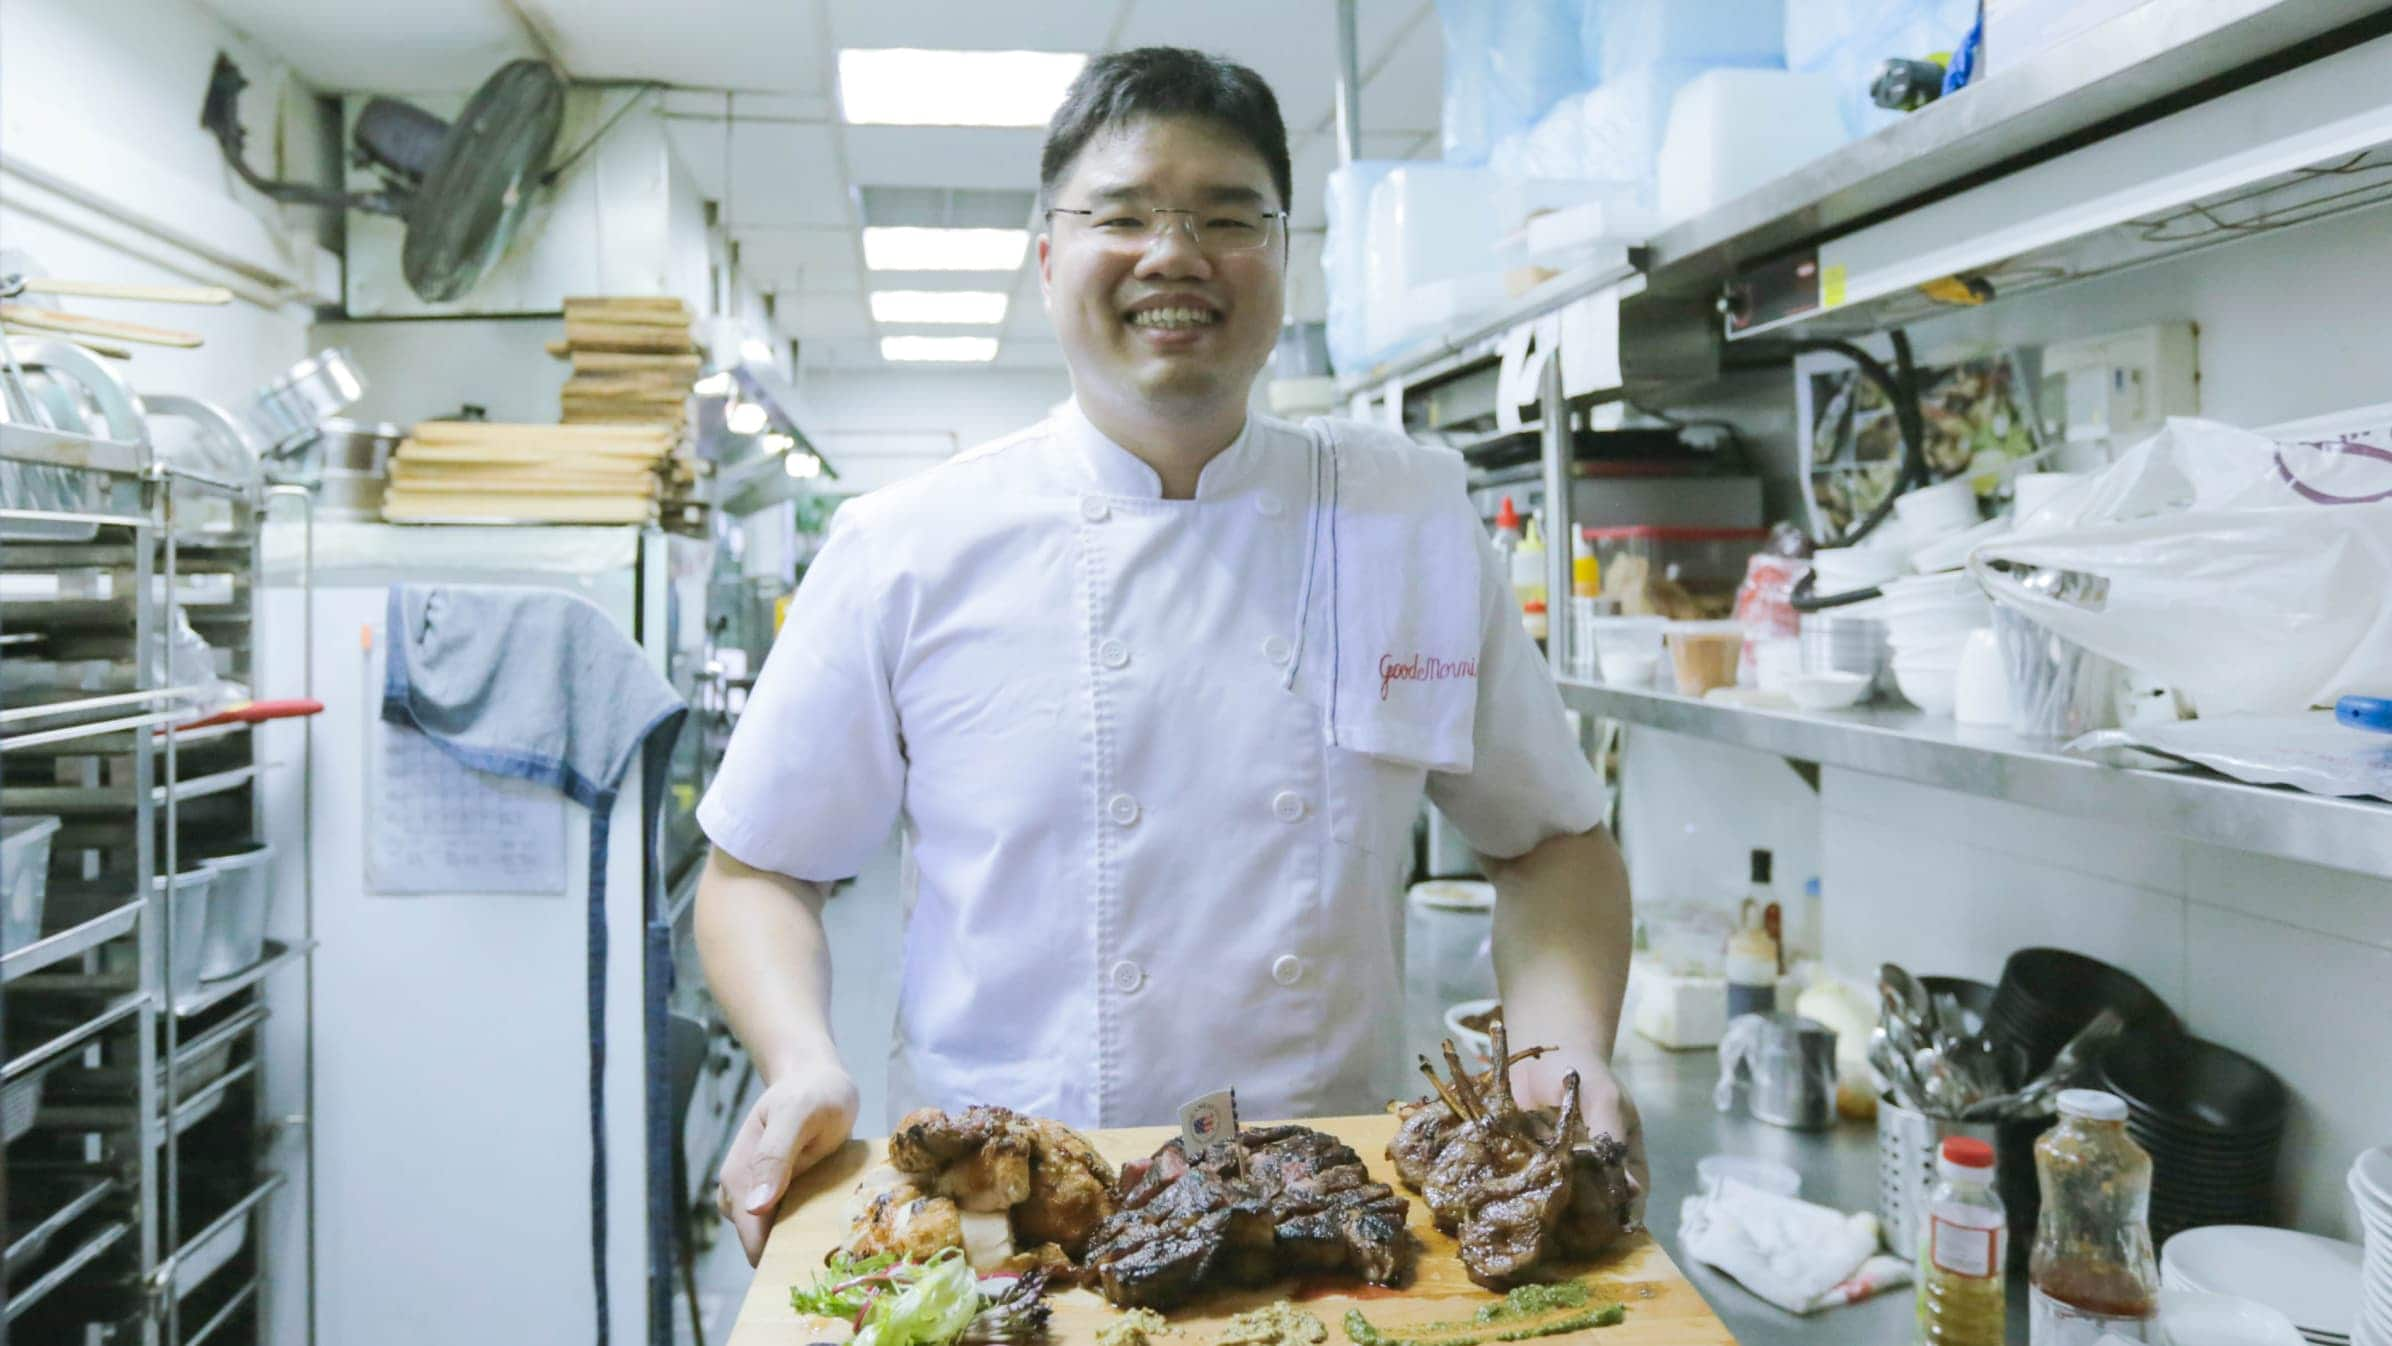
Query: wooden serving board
[{"x": 1663, "y": 1308}]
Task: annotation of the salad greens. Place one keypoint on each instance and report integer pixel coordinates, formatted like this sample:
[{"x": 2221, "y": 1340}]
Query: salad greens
[{"x": 939, "y": 1302}]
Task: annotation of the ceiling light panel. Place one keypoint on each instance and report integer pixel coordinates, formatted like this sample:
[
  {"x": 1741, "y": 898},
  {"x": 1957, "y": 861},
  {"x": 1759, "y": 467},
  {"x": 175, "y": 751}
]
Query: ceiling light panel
[
  {"x": 945, "y": 207},
  {"x": 910, "y": 86},
  {"x": 950, "y": 350},
  {"x": 907, "y": 249},
  {"x": 928, "y": 306}
]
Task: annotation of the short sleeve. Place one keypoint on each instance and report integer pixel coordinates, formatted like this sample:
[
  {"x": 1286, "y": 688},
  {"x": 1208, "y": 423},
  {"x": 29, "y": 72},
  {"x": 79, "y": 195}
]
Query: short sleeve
[
  {"x": 1528, "y": 781},
  {"x": 814, "y": 776}
]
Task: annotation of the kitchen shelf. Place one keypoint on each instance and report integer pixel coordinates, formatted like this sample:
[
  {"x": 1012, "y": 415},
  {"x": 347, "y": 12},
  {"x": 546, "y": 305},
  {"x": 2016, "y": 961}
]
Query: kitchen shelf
[
  {"x": 24, "y": 1247},
  {"x": 39, "y": 444},
  {"x": 239, "y": 1210},
  {"x": 213, "y": 993},
  {"x": 1996, "y": 764},
  {"x": 72, "y": 1039},
  {"x": 74, "y": 1262},
  {"x": 2138, "y": 64},
  {"x": 67, "y": 799},
  {"x": 2308, "y": 144},
  {"x": 77, "y": 939},
  {"x": 1436, "y": 356},
  {"x": 206, "y": 1332}
]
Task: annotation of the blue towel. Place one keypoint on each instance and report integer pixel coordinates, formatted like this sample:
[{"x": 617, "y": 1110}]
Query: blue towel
[{"x": 543, "y": 686}]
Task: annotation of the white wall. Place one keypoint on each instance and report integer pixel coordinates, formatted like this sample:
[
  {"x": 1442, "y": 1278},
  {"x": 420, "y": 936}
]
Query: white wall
[
  {"x": 878, "y": 425},
  {"x": 2287, "y": 963},
  {"x": 106, "y": 175}
]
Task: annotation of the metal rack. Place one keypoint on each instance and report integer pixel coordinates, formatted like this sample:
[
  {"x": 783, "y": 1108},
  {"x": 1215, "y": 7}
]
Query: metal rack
[{"x": 134, "y": 1192}]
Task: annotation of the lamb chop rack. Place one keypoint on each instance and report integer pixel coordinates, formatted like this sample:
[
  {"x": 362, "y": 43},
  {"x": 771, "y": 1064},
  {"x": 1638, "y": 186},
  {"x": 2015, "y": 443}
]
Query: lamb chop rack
[{"x": 1516, "y": 1187}]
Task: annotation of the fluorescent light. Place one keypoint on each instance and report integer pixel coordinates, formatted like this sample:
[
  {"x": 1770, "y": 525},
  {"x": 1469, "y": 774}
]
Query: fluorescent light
[
  {"x": 744, "y": 418},
  {"x": 779, "y": 442},
  {"x": 803, "y": 466},
  {"x": 908, "y": 86},
  {"x": 906, "y": 249},
  {"x": 975, "y": 306},
  {"x": 713, "y": 385},
  {"x": 952, "y": 349}
]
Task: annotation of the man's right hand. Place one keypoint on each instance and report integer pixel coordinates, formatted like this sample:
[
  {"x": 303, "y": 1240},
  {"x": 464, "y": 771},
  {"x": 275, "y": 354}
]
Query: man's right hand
[{"x": 798, "y": 1122}]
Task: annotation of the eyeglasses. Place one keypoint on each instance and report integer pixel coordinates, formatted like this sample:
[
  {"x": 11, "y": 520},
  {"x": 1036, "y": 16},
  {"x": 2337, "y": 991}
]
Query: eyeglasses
[{"x": 1217, "y": 231}]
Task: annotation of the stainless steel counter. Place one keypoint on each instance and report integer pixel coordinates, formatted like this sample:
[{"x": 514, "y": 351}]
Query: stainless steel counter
[{"x": 1838, "y": 1168}]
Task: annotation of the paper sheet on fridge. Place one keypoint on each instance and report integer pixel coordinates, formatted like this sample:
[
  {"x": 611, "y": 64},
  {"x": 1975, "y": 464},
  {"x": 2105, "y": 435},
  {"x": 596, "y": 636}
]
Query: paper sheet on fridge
[{"x": 435, "y": 825}]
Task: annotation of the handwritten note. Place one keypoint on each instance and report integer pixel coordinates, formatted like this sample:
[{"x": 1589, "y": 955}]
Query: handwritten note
[{"x": 434, "y": 825}]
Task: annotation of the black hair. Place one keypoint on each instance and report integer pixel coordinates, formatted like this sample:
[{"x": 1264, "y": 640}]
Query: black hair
[{"x": 1121, "y": 87}]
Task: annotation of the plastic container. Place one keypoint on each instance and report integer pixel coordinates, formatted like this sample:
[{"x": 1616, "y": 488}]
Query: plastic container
[
  {"x": 1963, "y": 1250},
  {"x": 1729, "y": 131},
  {"x": 187, "y": 914},
  {"x": 25, "y": 873},
  {"x": 1702, "y": 559},
  {"x": 240, "y": 897},
  {"x": 1704, "y": 655},
  {"x": 2092, "y": 1270}
]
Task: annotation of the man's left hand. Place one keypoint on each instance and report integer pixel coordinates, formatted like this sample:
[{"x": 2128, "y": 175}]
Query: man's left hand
[{"x": 1601, "y": 1098}]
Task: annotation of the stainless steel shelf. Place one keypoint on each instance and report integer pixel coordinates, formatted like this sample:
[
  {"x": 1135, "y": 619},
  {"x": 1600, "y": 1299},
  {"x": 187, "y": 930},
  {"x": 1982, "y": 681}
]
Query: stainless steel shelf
[
  {"x": 83, "y": 1256},
  {"x": 80, "y": 938},
  {"x": 38, "y": 444},
  {"x": 1996, "y": 764},
  {"x": 29, "y": 1244},
  {"x": 207, "y": 1331},
  {"x": 239, "y": 1210},
  {"x": 59, "y": 1047},
  {"x": 1436, "y": 356},
  {"x": 2141, "y": 59},
  {"x": 214, "y": 993},
  {"x": 70, "y": 799}
]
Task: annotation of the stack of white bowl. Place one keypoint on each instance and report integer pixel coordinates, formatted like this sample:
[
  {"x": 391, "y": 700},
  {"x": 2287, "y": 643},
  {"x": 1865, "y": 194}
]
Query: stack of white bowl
[
  {"x": 1928, "y": 620},
  {"x": 1934, "y": 514},
  {"x": 2371, "y": 1184},
  {"x": 2313, "y": 1281}
]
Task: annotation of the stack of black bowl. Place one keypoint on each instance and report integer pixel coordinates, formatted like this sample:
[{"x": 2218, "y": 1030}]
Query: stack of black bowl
[
  {"x": 2045, "y": 997},
  {"x": 2212, "y": 1120}
]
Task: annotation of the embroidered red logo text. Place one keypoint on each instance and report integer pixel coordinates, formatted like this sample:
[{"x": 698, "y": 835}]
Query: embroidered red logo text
[{"x": 1421, "y": 668}]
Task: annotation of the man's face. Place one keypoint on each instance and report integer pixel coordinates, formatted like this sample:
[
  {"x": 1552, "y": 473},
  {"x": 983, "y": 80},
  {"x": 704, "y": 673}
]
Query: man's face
[{"x": 1096, "y": 286}]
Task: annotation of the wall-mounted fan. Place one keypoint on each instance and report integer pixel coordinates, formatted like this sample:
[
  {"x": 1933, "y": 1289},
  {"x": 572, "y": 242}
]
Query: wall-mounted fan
[{"x": 462, "y": 187}]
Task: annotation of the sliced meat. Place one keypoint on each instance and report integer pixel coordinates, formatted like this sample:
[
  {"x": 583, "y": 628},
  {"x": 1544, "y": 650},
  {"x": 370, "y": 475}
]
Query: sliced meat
[
  {"x": 1249, "y": 1209},
  {"x": 981, "y": 1159}
]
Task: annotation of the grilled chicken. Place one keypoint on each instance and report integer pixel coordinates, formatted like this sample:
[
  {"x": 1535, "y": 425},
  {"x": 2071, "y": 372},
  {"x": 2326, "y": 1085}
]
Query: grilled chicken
[{"x": 1017, "y": 1193}]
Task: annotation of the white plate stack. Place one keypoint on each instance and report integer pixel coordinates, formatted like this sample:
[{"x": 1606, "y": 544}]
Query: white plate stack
[
  {"x": 2371, "y": 1184},
  {"x": 2313, "y": 1281},
  {"x": 1928, "y": 619}
]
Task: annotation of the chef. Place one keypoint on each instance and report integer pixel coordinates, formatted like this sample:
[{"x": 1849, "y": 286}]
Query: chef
[{"x": 1154, "y": 688}]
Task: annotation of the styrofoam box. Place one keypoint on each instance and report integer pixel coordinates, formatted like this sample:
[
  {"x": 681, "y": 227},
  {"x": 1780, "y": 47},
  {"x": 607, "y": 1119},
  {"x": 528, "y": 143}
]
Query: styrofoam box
[{"x": 1732, "y": 130}]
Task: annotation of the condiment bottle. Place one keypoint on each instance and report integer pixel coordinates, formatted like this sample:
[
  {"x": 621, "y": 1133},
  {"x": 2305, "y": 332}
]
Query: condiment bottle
[
  {"x": 1962, "y": 1250},
  {"x": 1752, "y": 954},
  {"x": 2092, "y": 1272},
  {"x": 1507, "y": 529},
  {"x": 1528, "y": 569},
  {"x": 1586, "y": 571}
]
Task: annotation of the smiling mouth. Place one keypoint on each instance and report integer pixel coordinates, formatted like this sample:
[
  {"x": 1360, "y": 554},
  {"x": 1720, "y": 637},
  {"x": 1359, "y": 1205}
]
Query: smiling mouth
[{"x": 1174, "y": 319}]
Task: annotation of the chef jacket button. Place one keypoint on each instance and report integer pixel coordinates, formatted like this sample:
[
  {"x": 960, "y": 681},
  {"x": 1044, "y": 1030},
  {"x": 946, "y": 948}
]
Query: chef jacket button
[
  {"x": 1122, "y": 809},
  {"x": 1267, "y": 505},
  {"x": 1114, "y": 653},
  {"x": 1287, "y": 805},
  {"x": 1128, "y": 976},
  {"x": 1276, "y": 649},
  {"x": 1287, "y": 969},
  {"x": 1094, "y": 509}
]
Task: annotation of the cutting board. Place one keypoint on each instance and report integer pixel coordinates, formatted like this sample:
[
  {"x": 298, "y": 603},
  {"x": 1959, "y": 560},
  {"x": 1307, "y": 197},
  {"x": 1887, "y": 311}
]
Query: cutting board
[{"x": 1663, "y": 1309}]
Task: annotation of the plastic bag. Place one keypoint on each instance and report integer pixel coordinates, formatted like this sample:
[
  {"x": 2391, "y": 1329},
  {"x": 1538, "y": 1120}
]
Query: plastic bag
[
  {"x": 2308, "y": 751},
  {"x": 1506, "y": 62},
  {"x": 2247, "y": 573}
]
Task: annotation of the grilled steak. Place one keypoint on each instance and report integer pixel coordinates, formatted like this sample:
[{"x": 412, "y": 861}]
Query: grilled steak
[
  {"x": 1516, "y": 1187},
  {"x": 1246, "y": 1210}
]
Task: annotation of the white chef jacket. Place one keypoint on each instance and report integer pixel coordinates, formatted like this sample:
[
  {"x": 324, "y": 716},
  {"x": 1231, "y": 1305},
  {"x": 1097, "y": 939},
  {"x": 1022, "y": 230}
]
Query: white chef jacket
[{"x": 1139, "y": 872}]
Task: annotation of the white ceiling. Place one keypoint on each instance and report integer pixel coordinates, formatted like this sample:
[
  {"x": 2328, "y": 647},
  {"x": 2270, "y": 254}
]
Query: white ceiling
[{"x": 753, "y": 112}]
